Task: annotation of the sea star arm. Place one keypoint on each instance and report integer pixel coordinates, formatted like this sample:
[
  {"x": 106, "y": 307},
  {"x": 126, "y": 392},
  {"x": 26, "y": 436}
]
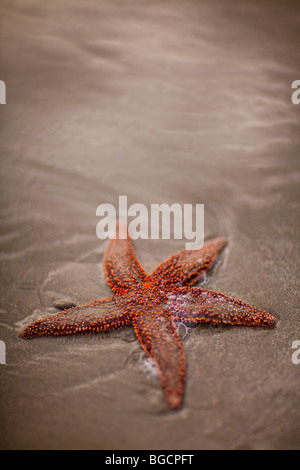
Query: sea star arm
[
  {"x": 187, "y": 266},
  {"x": 95, "y": 316},
  {"x": 204, "y": 306},
  {"x": 159, "y": 339},
  {"x": 121, "y": 267}
]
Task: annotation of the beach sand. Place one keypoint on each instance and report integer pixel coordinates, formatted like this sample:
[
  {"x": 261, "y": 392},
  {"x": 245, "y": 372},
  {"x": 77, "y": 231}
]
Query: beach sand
[{"x": 165, "y": 102}]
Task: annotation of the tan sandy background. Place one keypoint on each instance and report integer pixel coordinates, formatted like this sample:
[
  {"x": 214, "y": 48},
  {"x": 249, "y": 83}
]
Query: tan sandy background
[{"x": 166, "y": 101}]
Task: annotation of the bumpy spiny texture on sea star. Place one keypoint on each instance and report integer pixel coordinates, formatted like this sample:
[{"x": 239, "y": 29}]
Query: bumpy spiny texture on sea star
[{"x": 154, "y": 304}]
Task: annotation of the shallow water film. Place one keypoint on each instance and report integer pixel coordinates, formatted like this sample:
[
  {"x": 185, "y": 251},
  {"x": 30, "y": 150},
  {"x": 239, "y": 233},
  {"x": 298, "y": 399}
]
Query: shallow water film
[{"x": 181, "y": 101}]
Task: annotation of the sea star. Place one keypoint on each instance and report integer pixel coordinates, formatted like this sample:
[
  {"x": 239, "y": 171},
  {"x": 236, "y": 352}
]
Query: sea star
[{"x": 154, "y": 304}]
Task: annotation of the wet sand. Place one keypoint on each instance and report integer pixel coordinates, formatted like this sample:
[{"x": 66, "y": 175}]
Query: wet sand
[{"x": 181, "y": 101}]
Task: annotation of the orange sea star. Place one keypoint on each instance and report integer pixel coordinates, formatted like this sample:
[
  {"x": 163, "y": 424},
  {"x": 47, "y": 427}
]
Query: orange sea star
[{"x": 153, "y": 304}]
